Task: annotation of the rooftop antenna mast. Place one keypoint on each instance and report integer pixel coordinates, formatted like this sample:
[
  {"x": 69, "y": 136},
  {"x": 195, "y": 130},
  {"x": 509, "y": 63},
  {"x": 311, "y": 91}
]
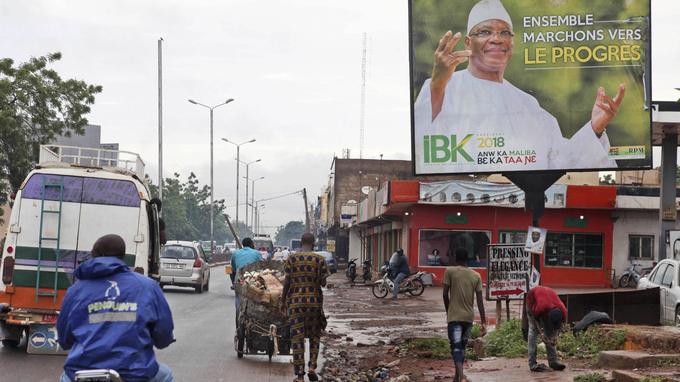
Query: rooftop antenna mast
[{"x": 363, "y": 98}]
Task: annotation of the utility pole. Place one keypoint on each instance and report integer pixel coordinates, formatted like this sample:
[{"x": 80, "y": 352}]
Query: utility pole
[
  {"x": 363, "y": 100},
  {"x": 160, "y": 121},
  {"x": 304, "y": 197}
]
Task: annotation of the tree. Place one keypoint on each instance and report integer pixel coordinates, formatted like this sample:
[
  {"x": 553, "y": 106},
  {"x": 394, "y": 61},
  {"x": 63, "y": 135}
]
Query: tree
[
  {"x": 36, "y": 106},
  {"x": 186, "y": 211},
  {"x": 292, "y": 230}
]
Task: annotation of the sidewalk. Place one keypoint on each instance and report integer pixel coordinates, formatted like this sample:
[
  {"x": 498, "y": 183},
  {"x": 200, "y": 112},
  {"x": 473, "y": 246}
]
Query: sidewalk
[{"x": 365, "y": 333}]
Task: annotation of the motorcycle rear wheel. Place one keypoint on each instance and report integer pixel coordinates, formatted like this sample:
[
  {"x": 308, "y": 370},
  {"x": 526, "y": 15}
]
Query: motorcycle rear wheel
[
  {"x": 624, "y": 281},
  {"x": 379, "y": 290},
  {"x": 417, "y": 288}
]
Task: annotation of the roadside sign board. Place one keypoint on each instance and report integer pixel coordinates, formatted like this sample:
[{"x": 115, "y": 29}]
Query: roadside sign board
[{"x": 508, "y": 271}]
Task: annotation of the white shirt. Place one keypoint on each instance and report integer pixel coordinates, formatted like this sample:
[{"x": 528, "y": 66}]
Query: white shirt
[{"x": 531, "y": 137}]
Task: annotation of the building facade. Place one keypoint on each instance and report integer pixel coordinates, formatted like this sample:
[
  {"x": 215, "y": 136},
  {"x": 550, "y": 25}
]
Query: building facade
[{"x": 594, "y": 232}]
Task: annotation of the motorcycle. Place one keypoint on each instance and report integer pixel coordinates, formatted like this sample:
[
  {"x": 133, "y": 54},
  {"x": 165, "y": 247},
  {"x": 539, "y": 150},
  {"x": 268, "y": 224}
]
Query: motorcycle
[
  {"x": 412, "y": 284},
  {"x": 631, "y": 276},
  {"x": 98, "y": 375},
  {"x": 351, "y": 272},
  {"x": 366, "y": 271}
]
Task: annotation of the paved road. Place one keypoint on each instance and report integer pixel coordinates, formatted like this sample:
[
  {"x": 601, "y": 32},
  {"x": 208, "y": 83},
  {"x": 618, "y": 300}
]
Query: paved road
[{"x": 204, "y": 351}]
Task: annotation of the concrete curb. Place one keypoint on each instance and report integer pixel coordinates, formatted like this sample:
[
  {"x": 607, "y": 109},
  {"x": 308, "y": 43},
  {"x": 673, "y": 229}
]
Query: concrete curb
[{"x": 627, "y": 360}]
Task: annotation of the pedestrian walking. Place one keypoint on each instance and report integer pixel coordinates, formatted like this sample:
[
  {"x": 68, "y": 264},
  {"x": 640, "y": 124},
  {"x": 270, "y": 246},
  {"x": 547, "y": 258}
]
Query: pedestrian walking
[
  {"x": 545, "y": 313},
  {"x": 461, "y": 286},
  {"x": 400, "y": 270},
  {"x": 306, "y": 273}
]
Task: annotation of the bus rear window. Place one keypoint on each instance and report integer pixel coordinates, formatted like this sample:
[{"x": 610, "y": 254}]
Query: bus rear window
[
  {"x": 73, "y": 187},
  {"x": 114, "y": 192}
]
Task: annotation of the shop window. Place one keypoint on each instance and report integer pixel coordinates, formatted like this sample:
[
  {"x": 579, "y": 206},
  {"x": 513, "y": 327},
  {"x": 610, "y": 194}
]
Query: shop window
[
  {"x": 512, "y": 237},
  {"x": 437, "y": 247},
  {"x": 641, "y": 247},
  {"x": 573, "y": 250}
]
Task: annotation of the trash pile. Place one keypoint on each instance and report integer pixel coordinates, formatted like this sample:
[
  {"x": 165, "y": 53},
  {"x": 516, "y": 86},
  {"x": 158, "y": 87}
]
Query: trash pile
[
  {"x": 261, "y": 283},
  {"x": 264, "y": 286}
]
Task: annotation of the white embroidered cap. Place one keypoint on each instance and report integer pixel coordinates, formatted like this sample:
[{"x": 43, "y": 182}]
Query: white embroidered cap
[{"x": 487, "y": 10}]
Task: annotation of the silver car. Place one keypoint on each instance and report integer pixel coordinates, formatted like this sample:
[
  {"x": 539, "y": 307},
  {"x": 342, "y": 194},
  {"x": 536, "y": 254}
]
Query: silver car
[
  {"x": 666, "y": 276},
  {"x": 183, "y": 263}
]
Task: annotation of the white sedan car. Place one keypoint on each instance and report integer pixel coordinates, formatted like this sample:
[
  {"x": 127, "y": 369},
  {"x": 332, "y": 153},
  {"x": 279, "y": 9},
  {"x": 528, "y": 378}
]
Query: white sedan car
[{"x": 666, "y": 276}]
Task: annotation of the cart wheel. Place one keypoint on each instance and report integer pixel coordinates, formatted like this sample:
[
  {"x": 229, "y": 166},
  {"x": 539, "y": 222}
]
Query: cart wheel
[{"x": 240, "y": 342}]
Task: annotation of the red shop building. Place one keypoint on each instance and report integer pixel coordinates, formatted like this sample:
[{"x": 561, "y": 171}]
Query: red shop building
[{"x": 430, "y": 220}]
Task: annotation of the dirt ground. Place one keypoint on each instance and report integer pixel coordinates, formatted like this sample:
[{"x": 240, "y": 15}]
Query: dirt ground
[{"x": 365, "y": 336}]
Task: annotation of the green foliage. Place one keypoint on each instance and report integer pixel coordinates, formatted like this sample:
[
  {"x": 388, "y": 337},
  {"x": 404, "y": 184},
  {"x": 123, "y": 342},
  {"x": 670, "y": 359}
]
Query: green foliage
[
  {"x": 652, "y": 379},
  {"x": 36, "y": 105},
  {"x": 590, "y": 342},
  {"x": 506, "y": 341},
  {"x": 437, "y": 348},
  {"x": 590, "y": 377},
  {"x": 292, "y": 230},
  {"x": 476, "y": 331},
  {"x": 186, "y": 211},
  {"x": 470, "y": 354}
]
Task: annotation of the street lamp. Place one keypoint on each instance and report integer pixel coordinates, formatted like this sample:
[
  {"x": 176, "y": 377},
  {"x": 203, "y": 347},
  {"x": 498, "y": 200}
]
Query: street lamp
[
  {"x": 211, "y": 108},
  {"x": 238, "y": 166},
  {"x": 247, "y": 178},
  {"x": 252, "y": 197},
  {"x": 258, "y": 209}
]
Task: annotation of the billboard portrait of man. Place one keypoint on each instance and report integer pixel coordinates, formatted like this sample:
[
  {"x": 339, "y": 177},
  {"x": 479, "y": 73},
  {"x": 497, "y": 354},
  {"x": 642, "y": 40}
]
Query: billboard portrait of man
[{"x": 469, "y": 117}]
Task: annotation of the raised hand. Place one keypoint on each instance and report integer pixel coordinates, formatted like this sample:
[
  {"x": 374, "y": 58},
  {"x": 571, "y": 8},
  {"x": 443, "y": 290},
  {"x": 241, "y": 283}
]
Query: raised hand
[
  {"x": 605, "y": 109},
  {"x": 445, "y": 62}
]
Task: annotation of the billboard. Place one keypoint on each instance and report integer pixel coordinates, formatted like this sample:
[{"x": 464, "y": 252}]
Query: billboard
[{"x": 526, "y": 85}]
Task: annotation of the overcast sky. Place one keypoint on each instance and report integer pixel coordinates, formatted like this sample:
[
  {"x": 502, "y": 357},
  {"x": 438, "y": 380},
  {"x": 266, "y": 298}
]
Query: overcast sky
[{"x": 293, "y": 68}]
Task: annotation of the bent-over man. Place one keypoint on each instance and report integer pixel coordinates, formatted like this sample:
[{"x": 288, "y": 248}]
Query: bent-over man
[{"x": 545, "y": 312}]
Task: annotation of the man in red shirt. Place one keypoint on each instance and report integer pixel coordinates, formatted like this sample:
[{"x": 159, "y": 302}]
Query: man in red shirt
[{"x": 546, "y": 313}]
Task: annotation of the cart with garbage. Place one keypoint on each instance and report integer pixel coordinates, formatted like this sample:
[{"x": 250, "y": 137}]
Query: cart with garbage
[{"x": 262, "y": 327}]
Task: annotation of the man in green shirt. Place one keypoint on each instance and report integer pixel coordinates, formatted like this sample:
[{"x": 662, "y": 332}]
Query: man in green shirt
[{"x": 461, "y": 284}]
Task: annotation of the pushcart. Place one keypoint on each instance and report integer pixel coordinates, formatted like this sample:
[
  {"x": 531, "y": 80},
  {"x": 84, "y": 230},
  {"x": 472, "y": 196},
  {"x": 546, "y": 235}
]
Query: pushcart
[{"x": 262, "y": 327}]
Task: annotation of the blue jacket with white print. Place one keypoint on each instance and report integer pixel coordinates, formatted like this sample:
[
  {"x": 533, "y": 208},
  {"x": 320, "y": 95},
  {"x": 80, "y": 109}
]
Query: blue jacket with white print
[{"x": 111, "y": 319}]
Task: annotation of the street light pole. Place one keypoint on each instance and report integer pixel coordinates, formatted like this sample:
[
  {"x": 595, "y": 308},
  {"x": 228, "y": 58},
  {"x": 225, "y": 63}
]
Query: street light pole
[
  {"x": 252, "y": 198},
  {"x": 212, "y": 188},
  {"x": 247, "y": 179},
  {"x": 238, "y": 166}
]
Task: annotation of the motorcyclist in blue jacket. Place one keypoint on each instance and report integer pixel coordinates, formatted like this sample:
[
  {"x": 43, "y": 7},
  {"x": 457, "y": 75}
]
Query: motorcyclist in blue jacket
[
  {"x": 399, "y": 269},
  {"x": 112, "y": 317}
]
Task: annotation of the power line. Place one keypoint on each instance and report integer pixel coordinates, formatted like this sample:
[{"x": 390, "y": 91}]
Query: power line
[{"x": 279, "y": 196}]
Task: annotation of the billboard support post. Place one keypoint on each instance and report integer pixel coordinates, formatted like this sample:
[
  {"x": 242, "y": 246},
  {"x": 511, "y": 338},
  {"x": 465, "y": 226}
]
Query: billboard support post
[{"x": 534, "y": 186}]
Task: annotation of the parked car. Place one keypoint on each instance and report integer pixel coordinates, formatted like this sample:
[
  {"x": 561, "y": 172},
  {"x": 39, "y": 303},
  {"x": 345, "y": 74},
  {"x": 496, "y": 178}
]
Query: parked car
[
  {"x": 184, "y": 263},
  {"x": 330, "y": 260},
  {"x": 666, "y": 276}
]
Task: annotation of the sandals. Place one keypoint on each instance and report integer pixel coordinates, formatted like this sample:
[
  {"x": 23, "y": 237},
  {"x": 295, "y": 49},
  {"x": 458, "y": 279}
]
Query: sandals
[{"x": 539, "y": 368}]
